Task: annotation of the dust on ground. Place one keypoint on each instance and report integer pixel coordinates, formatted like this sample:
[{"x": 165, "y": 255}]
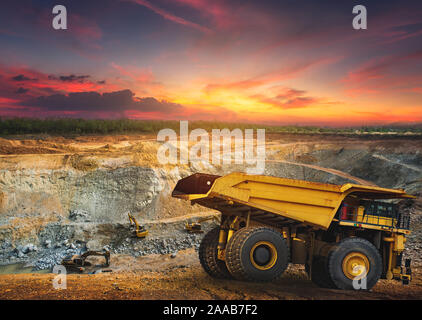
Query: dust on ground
[{"x": 181, "y": 277}]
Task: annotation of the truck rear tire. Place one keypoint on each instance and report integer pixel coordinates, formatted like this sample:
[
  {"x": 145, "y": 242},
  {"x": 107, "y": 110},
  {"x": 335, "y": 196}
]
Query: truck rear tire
[
  {"x": 257, "y": 254},
  {"x": 351, "y": 259},
  {"x": 215, "y": 267}
]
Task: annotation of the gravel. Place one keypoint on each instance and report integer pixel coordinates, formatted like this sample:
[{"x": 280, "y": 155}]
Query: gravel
[{"x": 48, "y": 255}]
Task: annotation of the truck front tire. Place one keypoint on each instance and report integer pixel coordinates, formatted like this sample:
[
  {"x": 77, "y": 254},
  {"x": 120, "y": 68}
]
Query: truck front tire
[
  {"x": 351, "y": 260},
  {"x": 257, "y": 254}
]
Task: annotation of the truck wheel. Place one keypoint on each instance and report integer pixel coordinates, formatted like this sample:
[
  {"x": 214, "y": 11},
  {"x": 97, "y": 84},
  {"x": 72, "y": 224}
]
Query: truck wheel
[
  {"x": 208, "y": 256},
  {"x": 257, "y": 254},
  {"x": 319, "y": 273},
  {"x": 355, "y": 258}
]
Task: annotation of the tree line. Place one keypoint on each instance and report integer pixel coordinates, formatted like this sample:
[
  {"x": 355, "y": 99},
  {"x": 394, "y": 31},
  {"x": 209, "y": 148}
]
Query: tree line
[{"x": 71, "y": 126}]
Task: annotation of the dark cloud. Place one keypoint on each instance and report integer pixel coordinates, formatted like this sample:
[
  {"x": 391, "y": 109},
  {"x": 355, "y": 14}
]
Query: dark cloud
[
  {"x": 69, "y": 78},
  {"x": 118, "y": 101},
  {"x": 22, "y": 77},
  {"x": 21, "y": 90},
  {"x": 101, "y": 82},
  {"x": 150, "y": 104}
]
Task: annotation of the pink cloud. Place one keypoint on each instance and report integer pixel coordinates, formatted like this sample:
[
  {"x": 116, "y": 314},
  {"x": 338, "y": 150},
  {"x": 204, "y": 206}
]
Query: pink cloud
[
  {"x": 141, "y": 80},
  {"x": 171, "y": 17},
  {"x": 7, "y": 101},
  {"x": 21, "y": 82},
  {"x": 417, "y": 90},
  {"x": 84, "y": 29},
  {"x": 388, "y": 72},
  {"x": 136, "y": 74},
  {"x": 218, "y": 11},
  {"x": 225, "y": 16},
  {"x": 399, "y": 36}
]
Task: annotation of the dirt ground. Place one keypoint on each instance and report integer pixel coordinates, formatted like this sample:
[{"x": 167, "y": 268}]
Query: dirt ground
[{"x": 163, "y": 277}]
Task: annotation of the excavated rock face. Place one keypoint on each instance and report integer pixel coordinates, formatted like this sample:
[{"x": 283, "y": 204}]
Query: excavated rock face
[
  {"x": 297, "y": 171},
  {"x": 384, "y": 168},
  {"x": 100, "y": 195},
  {"x": 47, "y": 207}
]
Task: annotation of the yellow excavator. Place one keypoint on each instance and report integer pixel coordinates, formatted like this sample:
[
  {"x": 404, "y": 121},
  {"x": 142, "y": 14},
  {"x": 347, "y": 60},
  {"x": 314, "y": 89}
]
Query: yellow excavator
[
  {"x": 139, "y": 231},
  {"x": 78, "y": 263}
]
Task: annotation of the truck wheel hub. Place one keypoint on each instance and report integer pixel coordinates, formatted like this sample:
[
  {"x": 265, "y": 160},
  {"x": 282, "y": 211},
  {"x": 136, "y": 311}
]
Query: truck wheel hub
[
  {"x": 355, "y": 266},
  {"x": 263, "y": 255}
]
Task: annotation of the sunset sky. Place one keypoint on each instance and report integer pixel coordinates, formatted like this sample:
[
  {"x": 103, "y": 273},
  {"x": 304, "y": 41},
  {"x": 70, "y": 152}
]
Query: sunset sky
[{"x": 270, "y": 62}]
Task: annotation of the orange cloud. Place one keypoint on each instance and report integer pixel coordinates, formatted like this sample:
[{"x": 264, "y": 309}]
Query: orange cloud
[
  {"x": 287, "y": 103},
  {"x": 290, "y": 71}
]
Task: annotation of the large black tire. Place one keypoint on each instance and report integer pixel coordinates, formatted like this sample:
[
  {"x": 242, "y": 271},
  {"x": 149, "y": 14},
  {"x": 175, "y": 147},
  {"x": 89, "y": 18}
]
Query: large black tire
[
  {"x": 208, "y": 256},
  {"x": 319, "y": 273},
  {"x": 354, "y": 248},
  {"x": 257, "y": 254}
]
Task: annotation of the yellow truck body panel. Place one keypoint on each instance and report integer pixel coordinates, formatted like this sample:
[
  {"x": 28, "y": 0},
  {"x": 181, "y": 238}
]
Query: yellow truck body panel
[{"x": 302, "y": 201}]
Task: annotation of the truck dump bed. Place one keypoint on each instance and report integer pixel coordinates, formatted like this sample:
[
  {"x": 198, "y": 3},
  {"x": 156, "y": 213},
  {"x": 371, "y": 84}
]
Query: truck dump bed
[{"x": 275, "y": 200}]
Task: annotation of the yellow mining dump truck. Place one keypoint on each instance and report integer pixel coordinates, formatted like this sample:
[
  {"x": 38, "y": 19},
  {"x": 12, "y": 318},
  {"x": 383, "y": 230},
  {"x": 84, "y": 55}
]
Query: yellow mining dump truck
[{"x": 347, "y": 236}]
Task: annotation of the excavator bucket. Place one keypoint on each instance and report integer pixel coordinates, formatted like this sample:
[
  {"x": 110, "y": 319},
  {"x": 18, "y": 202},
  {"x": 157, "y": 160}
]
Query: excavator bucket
[{"x": 198, "y": 183}]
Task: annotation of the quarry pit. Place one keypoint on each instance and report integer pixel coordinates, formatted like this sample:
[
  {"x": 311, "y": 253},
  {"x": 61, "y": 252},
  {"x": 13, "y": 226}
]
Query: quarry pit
[{"x": 65, "y": 195}]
